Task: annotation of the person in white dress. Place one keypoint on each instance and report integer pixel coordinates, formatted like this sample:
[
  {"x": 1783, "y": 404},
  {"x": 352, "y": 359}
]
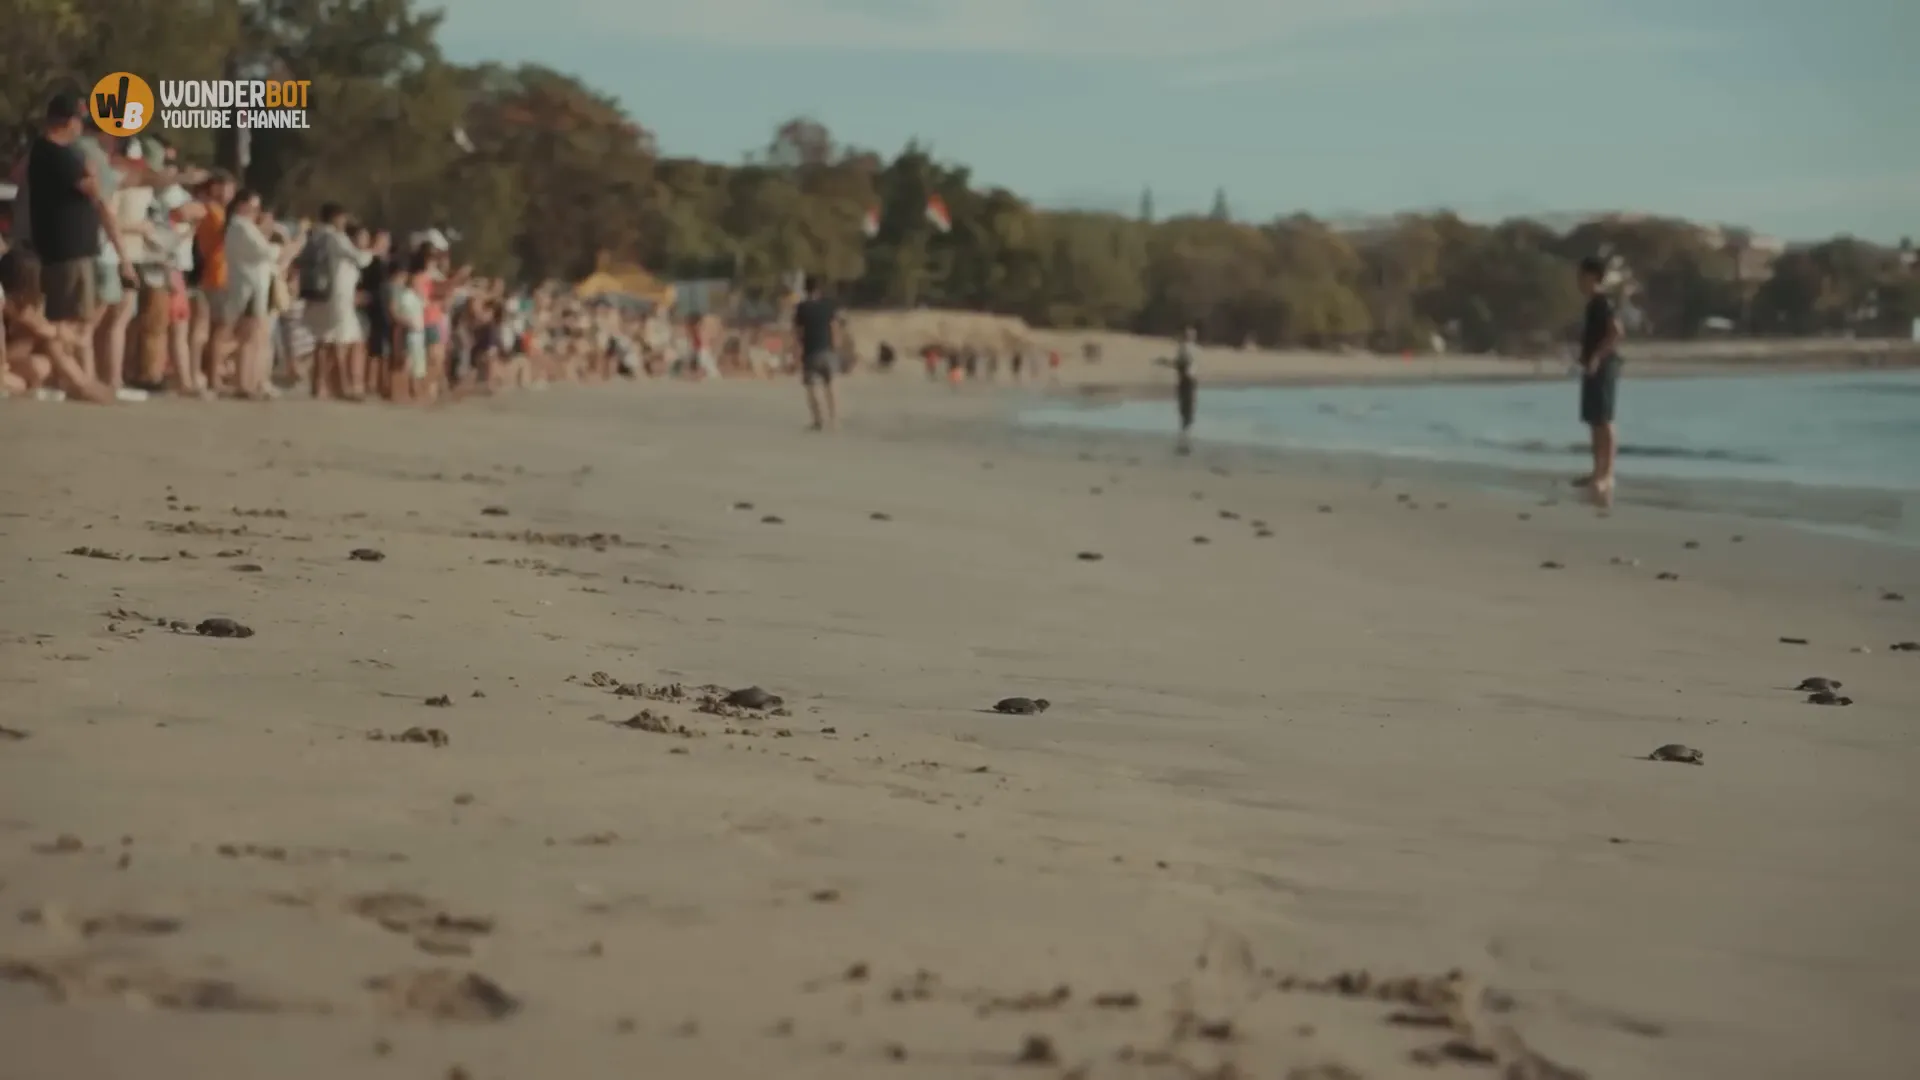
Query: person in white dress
[
  {"x": 339, "y": 365},
  {"x": 253, "y": 261}
]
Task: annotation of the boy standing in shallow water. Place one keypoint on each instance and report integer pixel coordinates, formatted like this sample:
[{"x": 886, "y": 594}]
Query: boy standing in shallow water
[{"x": 1600, "y": 335}]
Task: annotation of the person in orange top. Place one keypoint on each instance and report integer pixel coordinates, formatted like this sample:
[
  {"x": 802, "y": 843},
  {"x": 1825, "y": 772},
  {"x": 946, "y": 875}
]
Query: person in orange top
[{"x": 208, "y": 335}]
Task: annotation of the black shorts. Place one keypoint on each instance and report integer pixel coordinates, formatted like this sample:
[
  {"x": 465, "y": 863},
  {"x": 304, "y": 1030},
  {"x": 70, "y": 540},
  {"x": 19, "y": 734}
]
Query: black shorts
[
  {"x": 1599, "y": 391},
  {"x": 1187, "y": 392},
  {"x": 818, "y": 367}
]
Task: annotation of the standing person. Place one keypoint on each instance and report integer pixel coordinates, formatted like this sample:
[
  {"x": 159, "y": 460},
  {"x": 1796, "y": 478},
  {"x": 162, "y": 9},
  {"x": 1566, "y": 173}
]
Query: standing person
[
  {"x": 69, "y": 219},
  {"x": 408, "y": 317},
  {"x": 1186, "y": 388},
  {"x": 330, "y": 267},
  {"x": 1600, "y": 335},
  {"x": 115, "y": 267},
  {"x": 246, "y": 302},
  {"x": 211, "y": 331},
  {"x": 378, "y": 313},
  {"x": 816, "y": 330},
  {"x": 177, "y": 213}
]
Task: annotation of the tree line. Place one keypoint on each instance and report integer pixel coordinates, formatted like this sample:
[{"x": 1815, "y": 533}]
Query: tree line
[{"x": 542, "y": 176}]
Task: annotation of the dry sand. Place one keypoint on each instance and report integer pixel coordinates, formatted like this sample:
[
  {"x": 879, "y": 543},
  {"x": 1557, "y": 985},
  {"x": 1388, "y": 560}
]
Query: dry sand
[{"x": 1383, "y": 739}]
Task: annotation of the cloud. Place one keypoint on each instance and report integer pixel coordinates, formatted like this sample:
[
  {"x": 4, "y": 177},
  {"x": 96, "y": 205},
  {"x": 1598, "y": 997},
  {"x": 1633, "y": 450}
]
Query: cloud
[{"x": 1061, "y": 28}]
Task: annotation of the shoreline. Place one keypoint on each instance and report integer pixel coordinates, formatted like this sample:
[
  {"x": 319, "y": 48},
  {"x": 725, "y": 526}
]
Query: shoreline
[
  {"x": 1384, "y": 737},
  {"x": 1877, "y": 513},
  {"x": 1438, "y": 371}
]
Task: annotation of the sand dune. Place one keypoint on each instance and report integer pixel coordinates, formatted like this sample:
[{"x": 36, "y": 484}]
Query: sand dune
[{"x": 1381, "y": 740}]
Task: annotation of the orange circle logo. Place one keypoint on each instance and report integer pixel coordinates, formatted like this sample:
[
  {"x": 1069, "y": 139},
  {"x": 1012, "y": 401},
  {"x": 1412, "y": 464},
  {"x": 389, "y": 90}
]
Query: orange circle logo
[{"x": 122, "y": 104}]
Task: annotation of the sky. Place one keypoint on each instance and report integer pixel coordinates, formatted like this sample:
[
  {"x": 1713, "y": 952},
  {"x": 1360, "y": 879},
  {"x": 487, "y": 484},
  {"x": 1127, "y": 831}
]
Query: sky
[{"x": 1798, "y": 119}]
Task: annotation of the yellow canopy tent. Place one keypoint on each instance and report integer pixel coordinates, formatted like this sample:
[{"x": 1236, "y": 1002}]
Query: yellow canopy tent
[{"x": 630, "y": 281}]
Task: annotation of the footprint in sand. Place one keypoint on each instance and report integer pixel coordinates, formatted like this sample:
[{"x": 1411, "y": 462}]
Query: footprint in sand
[{"x": 440, "y": 994}]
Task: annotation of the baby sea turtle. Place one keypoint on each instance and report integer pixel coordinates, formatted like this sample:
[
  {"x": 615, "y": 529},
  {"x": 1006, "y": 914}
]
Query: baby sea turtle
[
  {"x": 1788, "y": 640},
  {"x": 753, "y": 697},
  {"x": 1827, "y": 697},
  {"x": 1684, "y": 755},
  {"x": 1089, "y": 556},
  {"x": 743, "y": 506},
  {"x": 1814, "y": 683},
  {"x": 1691, "y": 545},
  {"x": 1905, "y": 646},
  {"x": 1263, "y": 533},
  {"x": 494, "y": 511},
  {"x": 1892, "y": 597},
  {"x": 1325, "y": 509},
  {"x": 1020, "y": 706},
  {"x": 1551, "y": 565},
  {"x": 222, "y": 627},
  {"x": 1228, "y": 515},
  {"x": 879, "y": 515},
  {"x": 366, "y": 555},
  {"x": 1201, "y": 540},
  {"x": 773, "y": 519},
  {"x": 1666, "y": 575}
]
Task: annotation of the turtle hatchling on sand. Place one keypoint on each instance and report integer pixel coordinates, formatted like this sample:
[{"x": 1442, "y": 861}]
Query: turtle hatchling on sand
[
  {"x": 1019, "y": 706},
  {"x": 1685, "y": 755},
  {"x": 1827, "y": 697},
  {"x": 753, "y": 697},
  {"x": 1814, "y": 683}
]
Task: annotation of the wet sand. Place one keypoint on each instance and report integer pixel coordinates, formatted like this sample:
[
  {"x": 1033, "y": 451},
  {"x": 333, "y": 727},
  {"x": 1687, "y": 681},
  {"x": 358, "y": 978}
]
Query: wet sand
[{"x": 1382, "y": 740}]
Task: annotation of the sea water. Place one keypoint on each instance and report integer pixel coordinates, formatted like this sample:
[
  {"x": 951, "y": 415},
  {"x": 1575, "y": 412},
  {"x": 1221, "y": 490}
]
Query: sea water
[{"x": 1794, "y": 446}]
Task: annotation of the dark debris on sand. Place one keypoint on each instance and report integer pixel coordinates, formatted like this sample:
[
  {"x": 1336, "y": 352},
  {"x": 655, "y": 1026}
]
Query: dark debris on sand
[
  {"x": 750, "y": 702},
  {"x": 433, "y": 737}
]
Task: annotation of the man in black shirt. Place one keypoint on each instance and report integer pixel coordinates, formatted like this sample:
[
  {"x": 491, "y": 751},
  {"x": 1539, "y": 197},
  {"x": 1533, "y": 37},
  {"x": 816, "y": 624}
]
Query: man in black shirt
[
  {"x": 816, "y": 326},
  {"x": 68, "y": 217},
  {"x": 1600, "y": 336}
]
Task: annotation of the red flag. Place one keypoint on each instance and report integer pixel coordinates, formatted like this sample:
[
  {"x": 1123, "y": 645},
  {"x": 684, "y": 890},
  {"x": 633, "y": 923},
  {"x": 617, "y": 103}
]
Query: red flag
[
  {"x": 870, "y": 224},
  {"x": 937, "y": 214}
]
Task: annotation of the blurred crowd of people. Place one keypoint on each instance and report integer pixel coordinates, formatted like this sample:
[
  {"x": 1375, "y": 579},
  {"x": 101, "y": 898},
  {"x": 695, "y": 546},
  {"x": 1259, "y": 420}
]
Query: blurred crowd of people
[{"x": 126, "y": 274}]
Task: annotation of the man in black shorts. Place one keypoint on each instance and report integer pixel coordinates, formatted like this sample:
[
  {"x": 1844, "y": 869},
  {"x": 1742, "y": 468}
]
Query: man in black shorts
[
  {"x": 1600, "y": 336},
  {"x": 816, "y": 328}
]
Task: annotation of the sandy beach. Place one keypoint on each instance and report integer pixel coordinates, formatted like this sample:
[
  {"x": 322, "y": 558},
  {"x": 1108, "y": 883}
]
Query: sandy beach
[{"x": 1286, "y": 784}]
